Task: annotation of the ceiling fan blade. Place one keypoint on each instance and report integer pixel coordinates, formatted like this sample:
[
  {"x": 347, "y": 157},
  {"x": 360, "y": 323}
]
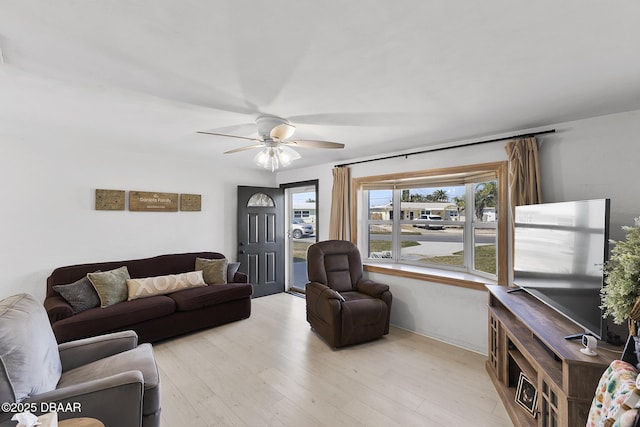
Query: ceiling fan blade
[
  {"x": 229, "y": 136},
  {"x": 282, "y": 131},
  {"x": 310, "y": 143},
  {"x": 249, "y": 147}
]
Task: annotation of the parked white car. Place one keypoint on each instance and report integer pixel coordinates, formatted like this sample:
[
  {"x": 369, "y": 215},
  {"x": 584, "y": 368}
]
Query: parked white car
[
  {"x": 300, "y": 229},
  {"x": 434, "y": 222}
]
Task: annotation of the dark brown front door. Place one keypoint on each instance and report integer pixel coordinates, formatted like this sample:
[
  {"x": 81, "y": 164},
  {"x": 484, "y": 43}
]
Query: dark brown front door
[{"x": 261, "y": 234}]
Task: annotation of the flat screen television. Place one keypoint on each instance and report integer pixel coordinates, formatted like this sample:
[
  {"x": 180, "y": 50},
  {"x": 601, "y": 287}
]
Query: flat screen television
[{"x": 559, "y": 251}]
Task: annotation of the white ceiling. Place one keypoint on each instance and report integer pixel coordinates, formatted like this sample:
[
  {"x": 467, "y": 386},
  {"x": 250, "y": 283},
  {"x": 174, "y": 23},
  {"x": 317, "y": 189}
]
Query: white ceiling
[{"x": 379, "y": 76}]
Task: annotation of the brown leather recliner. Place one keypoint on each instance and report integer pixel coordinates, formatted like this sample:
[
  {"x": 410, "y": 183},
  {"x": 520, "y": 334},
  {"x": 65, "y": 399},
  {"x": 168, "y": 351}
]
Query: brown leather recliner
[{"x": 343, "y": 307}]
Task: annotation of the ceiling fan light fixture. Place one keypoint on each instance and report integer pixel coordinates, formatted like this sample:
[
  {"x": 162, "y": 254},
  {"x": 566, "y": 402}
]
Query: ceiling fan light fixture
[
  {"x": 287, "y": 154},
  {"x": 274, "y": 133},
  {"x": 275, "y": 157}
]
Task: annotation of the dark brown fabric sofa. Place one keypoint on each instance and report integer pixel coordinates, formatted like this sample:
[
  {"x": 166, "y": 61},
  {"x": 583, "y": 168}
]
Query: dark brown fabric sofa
[{"x": 153, "y": 318}]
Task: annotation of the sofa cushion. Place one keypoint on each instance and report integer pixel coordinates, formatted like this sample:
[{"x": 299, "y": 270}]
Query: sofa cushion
[
  {"x": 193, "y": 299},
  {"x": 213, "y": 270},
  {"x": 29, "y": 359},
  {"x": 138, "y": 359},
  {"x": 81, "y": 294},
  {"x": 161, "y": 285},
  {"x": 111, "y": 285},
  {"x": 97, "y": 321}
]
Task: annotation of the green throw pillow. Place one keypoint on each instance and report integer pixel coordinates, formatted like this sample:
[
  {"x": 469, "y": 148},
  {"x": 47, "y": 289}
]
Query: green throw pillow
[
  {"x": 111, "y": 286},
  {"x": 214, "y": 271}
]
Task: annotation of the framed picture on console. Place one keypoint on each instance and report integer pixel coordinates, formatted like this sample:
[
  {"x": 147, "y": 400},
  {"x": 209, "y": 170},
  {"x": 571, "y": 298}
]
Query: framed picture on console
[{"x": 527, "y": 395}]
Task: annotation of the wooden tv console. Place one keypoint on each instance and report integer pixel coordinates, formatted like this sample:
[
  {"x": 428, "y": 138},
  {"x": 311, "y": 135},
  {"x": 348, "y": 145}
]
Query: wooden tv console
[{"x": 527, "y": 336}]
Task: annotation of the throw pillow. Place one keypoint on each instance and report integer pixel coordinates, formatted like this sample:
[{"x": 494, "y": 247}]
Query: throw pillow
[
  {"x": 111, "y": 286},
  {"x": 160, "y": 285},
  {"x": 80, "y": 294},
  {"x": 214, "y": 271},
  {"x": 617, "y": 385},
  {"x": 29, "y": 359},
  {"x": 232, "y": 269}
]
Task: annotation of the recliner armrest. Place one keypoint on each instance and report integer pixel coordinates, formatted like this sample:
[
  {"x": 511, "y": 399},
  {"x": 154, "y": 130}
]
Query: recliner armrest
[
  {"x": 371, "y": 288},
  {"x": 115, "y": 400},
  {"x": 87, "y": 350},
  {"x": 323, "y": 301},
  {"x": 324, "y": 291}
]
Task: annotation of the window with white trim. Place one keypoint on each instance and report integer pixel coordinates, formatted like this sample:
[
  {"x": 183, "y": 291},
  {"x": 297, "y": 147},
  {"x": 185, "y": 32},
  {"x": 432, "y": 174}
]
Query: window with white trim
[{"x": 446, "y": 219}]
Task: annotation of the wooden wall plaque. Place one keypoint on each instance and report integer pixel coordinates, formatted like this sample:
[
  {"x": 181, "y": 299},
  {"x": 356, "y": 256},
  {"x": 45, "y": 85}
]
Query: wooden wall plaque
[
  {"x": 109, "y": 200},
  {"x": 190, "y": 202},
  {"x": 143, "y": 201}
]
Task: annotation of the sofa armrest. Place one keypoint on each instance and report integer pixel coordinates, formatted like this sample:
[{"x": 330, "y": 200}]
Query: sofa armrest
[
  {"x": 87, "y": 350},
  {"x": 115, "y": 400},
  {"x": 240, "y": 277},
  {"x": 371, "y": 288},
  {"x": 57, "y": 308}
]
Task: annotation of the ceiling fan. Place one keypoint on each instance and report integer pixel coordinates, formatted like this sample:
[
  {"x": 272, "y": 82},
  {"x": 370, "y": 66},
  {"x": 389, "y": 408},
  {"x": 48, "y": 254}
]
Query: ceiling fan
[{"x": 275, "y": 133}]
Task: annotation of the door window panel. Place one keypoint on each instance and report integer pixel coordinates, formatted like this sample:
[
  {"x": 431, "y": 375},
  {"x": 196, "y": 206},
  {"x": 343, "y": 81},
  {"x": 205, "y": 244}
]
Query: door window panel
[{"x": 261, "y": 200}]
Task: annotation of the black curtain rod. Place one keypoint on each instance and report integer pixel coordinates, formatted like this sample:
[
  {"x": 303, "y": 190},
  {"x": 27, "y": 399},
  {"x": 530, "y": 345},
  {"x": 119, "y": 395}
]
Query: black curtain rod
[{"x": 468, "y": 144}]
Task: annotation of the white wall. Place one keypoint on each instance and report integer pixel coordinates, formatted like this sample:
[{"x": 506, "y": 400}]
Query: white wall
[
  {"x": 585, "y": 159},
  {"x": 596, "y": 158},
  {"x": 48, "y": 217}
]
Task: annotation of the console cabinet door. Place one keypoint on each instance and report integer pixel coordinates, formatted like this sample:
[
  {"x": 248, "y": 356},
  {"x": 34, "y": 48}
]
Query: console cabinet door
[{"x": 552, "y": 411}]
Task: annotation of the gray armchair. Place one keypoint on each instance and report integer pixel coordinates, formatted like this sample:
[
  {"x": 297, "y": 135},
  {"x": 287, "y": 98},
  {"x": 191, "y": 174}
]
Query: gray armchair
[
  {"x": 342, "y": 306},
  {"x": 109, "y": 377}
]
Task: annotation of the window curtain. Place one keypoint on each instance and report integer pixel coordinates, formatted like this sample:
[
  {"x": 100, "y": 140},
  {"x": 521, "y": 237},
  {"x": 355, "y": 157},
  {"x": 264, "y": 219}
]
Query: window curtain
[
  {"x": 524, "y": 180},
  {"x": 339, "y": 219},
  {"x": 524, "y": 172}
]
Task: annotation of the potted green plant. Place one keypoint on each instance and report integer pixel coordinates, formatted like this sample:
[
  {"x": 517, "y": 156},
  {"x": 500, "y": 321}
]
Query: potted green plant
[{"x": 621, "y": 295}]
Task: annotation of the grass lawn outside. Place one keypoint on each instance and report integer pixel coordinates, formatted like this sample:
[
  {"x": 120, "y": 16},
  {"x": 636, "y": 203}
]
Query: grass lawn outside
[
  {"x": 485, "y": 259},
  {"x": 381, "y": 245},
  {"x": 300, "y": 251},
  {"x": 485, "y": 255}
]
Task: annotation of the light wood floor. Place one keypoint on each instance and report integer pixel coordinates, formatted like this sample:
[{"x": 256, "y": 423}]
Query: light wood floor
[{"x": 272, "y": 369}]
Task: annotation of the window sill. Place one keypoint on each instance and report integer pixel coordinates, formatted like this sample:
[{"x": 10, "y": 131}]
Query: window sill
[{"x": 453, "y": 278}]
